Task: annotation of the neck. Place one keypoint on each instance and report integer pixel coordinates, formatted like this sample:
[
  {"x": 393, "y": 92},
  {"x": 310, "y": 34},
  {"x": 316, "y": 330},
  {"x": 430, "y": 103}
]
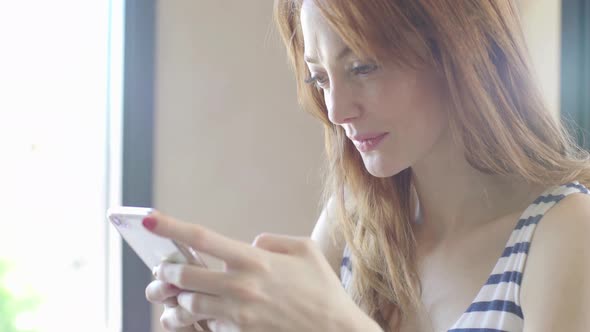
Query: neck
[{"x": 455, "y": 197}]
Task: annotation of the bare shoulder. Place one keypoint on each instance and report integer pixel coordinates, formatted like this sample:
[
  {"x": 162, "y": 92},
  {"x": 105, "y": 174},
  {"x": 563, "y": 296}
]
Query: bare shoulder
[
  {"x": 555, "y": 292},
  {"x": 328, "y": 237}
]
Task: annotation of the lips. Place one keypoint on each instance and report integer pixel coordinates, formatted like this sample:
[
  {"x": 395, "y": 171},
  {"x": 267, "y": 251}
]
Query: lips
[
  {"x": 368, "y": 142},
  {"x": 365, "y": 137}
]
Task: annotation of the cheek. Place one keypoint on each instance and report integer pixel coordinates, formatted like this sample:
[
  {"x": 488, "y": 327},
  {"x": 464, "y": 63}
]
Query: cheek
[
  {"x": 425, "y": 131},
  {"x": 431, "y": 109},
  {"x": 395, "y": 99},
  {"x": 415, "y": 113}
]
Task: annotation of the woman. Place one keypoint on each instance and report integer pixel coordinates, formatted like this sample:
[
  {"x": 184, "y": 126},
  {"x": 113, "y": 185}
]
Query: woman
[{"x": 443, "y": 163}]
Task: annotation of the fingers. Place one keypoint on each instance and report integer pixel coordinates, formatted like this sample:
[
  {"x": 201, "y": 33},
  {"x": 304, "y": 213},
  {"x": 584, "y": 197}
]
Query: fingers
[
  {"x": 171, "y": 302},
  {"x": 159, "y": 292},
  {"x": 192, "y": 278},
  {"x": 204, "y": 306},
  {"x": 182, "y": 329},
  {"x": 179, "y": 319},
  {"x": 234, "y": 253},
  {"x": 283, "y": 244}
]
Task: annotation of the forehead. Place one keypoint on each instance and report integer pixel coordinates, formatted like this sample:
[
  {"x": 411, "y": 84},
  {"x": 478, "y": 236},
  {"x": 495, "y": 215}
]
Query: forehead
[{"x": 318, "y": 36}]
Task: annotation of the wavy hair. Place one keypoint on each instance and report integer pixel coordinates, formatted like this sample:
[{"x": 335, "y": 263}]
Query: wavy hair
[{"x": 498, "y": 114}]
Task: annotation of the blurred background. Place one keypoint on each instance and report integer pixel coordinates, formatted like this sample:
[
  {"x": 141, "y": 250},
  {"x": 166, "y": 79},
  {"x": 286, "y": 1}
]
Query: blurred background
[{"x": 185, "y": 105}]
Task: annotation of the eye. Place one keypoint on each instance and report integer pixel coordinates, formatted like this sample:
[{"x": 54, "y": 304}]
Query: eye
[
  {"x": 363, "y": 69},
  {"x": 320, "y": 81}
]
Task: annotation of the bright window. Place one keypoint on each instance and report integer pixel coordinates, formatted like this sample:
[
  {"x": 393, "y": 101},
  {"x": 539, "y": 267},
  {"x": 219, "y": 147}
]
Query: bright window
[{"x": 60, "y": 83}]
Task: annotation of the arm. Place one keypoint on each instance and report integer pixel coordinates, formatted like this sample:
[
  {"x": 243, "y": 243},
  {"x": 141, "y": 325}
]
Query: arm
[
  {"x": 250, "y": 293},
  {"x": 331, "y": 246},
  {"x": 555, "y": 290}
]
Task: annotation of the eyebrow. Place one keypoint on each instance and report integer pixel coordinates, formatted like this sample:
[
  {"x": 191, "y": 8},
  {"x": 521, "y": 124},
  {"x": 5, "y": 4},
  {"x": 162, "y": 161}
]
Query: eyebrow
[{"x": 345, "y": 51}]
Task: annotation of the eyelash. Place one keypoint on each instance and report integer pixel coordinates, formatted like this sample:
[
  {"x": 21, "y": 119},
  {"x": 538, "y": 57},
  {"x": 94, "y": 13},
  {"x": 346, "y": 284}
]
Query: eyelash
[
  {"x": 358, "y": 70},
  {"x": 314, "y": 80}
]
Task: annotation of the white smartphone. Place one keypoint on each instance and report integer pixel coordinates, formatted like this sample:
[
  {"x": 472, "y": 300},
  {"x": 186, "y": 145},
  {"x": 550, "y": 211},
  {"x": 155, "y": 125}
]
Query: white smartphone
[{"x": 151, "y": 249}]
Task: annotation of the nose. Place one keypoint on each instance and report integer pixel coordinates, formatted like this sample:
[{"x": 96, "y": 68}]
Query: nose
[{"x": 341, "y": 104}]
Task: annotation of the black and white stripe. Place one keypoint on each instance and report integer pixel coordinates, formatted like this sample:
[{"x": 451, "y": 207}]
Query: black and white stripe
[{"x": 497, "y": 307}]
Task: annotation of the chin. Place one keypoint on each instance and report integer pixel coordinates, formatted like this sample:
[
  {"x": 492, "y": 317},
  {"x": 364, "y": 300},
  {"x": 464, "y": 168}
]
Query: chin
[{"x": 381, "y": 169}]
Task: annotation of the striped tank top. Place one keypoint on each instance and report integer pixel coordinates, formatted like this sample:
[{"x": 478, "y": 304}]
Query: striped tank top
[{"x": 497, "y": 305}]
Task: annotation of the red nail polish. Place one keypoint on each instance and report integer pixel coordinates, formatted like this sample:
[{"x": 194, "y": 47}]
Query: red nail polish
[{"x": 149, "y": 223}]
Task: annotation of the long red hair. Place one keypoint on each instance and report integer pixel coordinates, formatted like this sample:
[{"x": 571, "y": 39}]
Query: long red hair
[{"x": 497, "y": 113}]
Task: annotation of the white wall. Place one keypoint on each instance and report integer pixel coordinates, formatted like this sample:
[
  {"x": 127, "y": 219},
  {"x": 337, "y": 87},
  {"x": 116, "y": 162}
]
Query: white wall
[
  {"x": 541, "y": 20},
  {"x": 232, "y": 149}
]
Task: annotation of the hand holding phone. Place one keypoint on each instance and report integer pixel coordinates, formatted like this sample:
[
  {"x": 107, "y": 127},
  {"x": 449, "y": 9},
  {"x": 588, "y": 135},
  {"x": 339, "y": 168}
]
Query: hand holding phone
[{"x": 152, "y": 249}]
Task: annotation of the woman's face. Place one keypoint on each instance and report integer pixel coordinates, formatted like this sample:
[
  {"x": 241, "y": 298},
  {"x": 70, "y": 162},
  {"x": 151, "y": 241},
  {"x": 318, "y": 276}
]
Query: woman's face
[{"x": 393, "y": 115}]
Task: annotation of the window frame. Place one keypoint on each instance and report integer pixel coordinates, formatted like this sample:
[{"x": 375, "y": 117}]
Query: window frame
[{"x": 137, "y": 154}]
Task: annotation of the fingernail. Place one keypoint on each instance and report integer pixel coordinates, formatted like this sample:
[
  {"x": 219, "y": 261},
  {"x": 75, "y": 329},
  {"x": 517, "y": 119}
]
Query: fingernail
[{"x": 149, "y": 223}]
